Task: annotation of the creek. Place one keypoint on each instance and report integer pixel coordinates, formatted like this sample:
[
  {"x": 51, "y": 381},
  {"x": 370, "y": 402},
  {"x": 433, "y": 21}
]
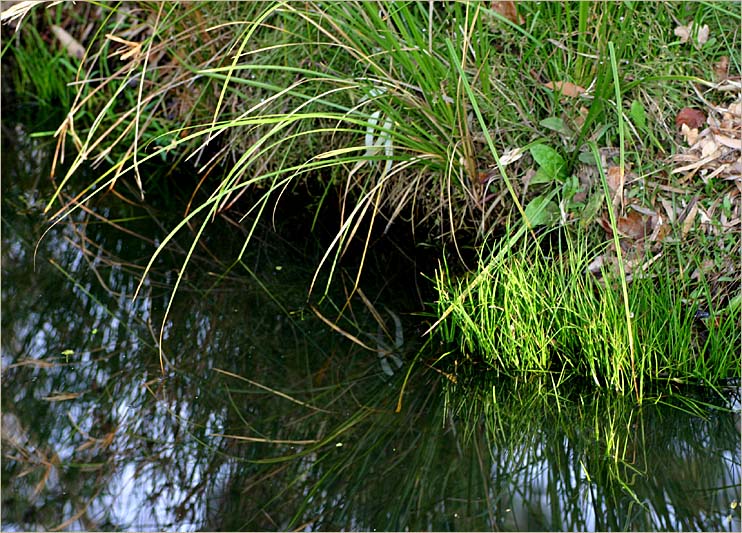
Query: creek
[{"x": 258, "y": 416}]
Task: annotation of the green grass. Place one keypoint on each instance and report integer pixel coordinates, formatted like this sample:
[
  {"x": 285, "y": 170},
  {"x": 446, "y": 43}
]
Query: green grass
[
  {"x": 40, "y": 74},
  {"x": 435, "y": 115},
  {"x": 531, "y": 312}
]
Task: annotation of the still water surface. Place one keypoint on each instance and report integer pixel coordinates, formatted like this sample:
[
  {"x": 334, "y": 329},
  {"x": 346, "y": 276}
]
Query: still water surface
[{"x": 265, "y": 419}]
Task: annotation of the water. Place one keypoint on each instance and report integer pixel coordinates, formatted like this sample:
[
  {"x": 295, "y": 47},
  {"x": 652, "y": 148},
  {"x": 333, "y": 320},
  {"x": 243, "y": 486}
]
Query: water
[{"x": 266, "y": 419}]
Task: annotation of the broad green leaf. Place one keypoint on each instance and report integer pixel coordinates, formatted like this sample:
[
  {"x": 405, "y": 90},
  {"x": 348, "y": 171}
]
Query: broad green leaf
[
  {"x": 549, "y": 160},
  {"x": 556, "y": 124},
  {"x": 638, "y": 115},
  {"x": 541, "y": 176},
  {"x": 541, "y": 211}
]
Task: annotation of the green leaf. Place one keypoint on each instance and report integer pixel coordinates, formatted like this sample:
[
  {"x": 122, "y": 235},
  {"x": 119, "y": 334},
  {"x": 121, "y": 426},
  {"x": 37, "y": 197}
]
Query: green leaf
[
  {"x": 541, "y": 176},
  {"x": 542, "y": 211},
  {"x": 549, "y": 160},
  {"x": 638, "y": 115},
  {"x": 556, "y": 124}
]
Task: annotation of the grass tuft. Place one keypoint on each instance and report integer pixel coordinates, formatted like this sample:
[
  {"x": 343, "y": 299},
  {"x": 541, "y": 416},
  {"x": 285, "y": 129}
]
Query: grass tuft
[{"x": 545, "y": 313}]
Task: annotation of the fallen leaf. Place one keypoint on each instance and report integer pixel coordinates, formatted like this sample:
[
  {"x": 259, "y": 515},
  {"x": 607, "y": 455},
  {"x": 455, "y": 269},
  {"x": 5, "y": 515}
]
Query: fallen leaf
[
  {"x": 693, "y": 118},
  {"x": 735, "y": 144},
  {"x": 689, "y": 134},
  {"x": 616, "y": 179},
  {"x": 690, "y": 219},
  {"x": 669, "y": 210},
  {"x": 73, "y": 47},
  {"x": 685, "y": 32},
  {"x": 510, "y": 156},
  {"x": 660, "y": 232},
  {"x": 507, "y": 9},
  {"x": 596, "y": 264},
  {"x": 632, "y": 225},
  {"x": 567, "y": 88},
  {"x": 579, "y": 197},
  {"x": 703, "y": 35},
  {"x": 527, "y": 177},
  {"x": 736, "y": 109},
  {"x": 708, "y": 147},
  {"x": 721, "y": 69}
]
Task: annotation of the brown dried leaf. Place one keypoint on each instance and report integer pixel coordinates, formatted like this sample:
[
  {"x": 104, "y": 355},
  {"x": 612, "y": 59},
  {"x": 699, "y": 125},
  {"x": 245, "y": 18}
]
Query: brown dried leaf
[
  {"x": 566, "y": 88},
  {"x": 581, "y": 116},
  {"x": 616, "y": 180},
  {"x": 507, "y": 9},
  {"x": 683, "y": 32},
  {"x": 596, "y": 264},
  {"x": 736, "y": 109},
  {"x": 693, "y": 118},
  {"x": 721, "y": 69},
  {"x": 528, "y": 176},
  {"x": 632, "y": 225},
  {"x": 669, "y": 210}
]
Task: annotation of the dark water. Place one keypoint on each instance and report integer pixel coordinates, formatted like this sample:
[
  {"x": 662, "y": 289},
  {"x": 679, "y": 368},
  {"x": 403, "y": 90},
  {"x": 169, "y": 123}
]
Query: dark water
[{"x": 265, "y": 419}]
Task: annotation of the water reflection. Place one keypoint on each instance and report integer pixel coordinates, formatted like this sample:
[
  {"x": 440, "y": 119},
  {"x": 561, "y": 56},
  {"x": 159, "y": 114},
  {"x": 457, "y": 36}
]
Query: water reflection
[{"x": 265, "y": 419}]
